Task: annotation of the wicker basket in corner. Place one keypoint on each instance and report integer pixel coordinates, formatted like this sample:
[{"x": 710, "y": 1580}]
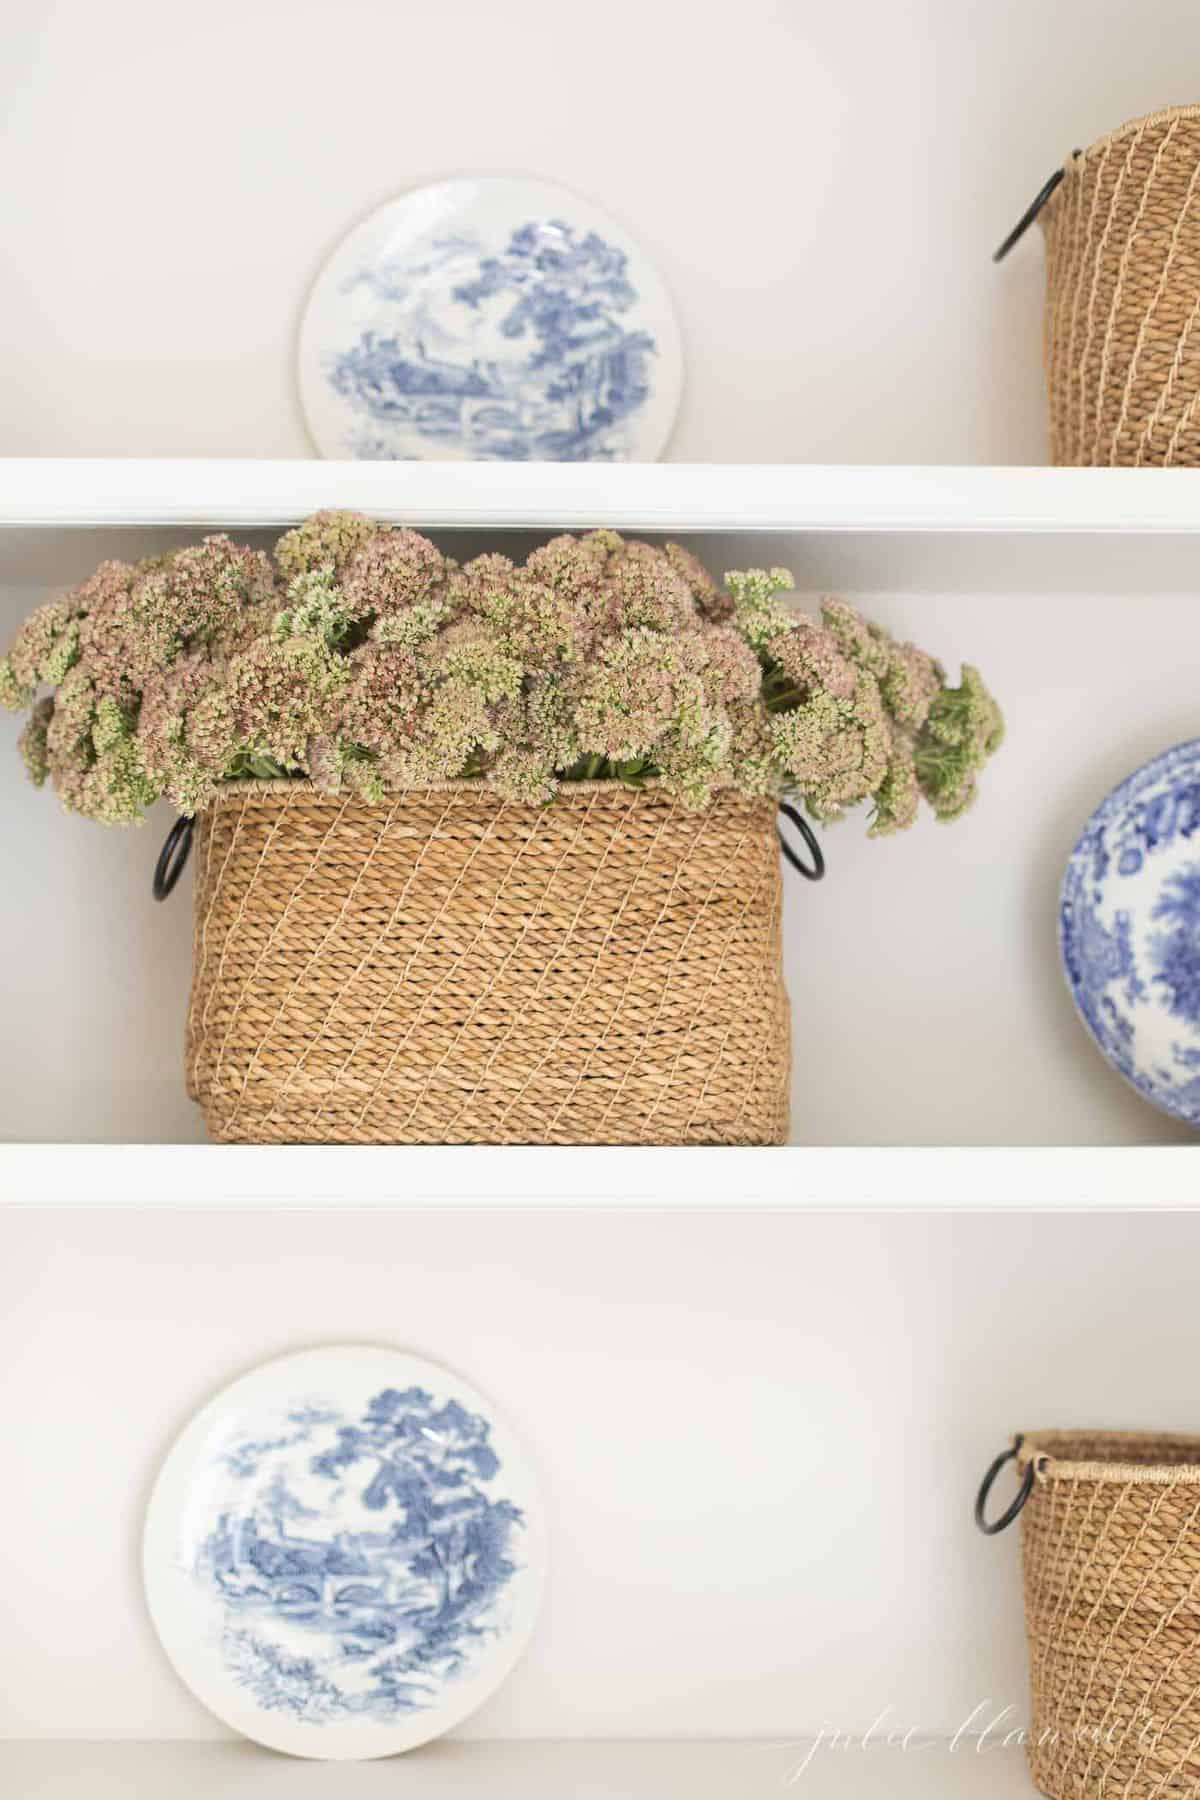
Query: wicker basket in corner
[
  {"x": 1111, "y": 1550},
  {"x": 1122, "y": 323},
  {"x": 450, "y": 968}
]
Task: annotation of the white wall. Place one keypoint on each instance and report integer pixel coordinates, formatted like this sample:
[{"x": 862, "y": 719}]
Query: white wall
[
  {"x": 760, "y": 1436},
  {"x": 821, "y": 185}
]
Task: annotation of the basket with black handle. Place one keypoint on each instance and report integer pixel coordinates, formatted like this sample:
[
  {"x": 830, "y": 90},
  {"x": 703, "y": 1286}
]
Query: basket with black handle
[{"x": 1110, "y": 1538}]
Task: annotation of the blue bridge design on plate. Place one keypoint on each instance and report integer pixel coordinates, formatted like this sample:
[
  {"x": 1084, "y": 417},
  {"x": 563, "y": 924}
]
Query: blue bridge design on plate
[
  {"x": 521, "y": 356},
  {"x": 367, "y": 1563}
]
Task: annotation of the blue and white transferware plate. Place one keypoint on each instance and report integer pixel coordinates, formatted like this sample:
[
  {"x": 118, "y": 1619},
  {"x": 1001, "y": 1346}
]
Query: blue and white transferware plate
[
  {"x": 490, "y": 319},
  {"x": 344, "y": 1552},
  {"x": 1129, "y": 929}
]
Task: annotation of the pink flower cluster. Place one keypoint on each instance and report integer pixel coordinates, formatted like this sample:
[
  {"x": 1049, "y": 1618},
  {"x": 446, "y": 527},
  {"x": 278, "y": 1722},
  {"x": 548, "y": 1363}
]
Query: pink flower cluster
[{"x": 362, "y": 657}]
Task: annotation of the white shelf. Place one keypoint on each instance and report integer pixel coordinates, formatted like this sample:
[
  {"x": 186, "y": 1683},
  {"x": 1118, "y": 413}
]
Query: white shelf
[
  {"x": 698, "y": 497},
  {"x": 1161, "y": 1179},
  {"x": 457, "y": 1770}
]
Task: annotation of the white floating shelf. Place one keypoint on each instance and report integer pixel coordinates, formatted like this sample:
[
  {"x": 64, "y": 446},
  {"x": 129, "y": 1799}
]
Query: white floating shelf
[
  {"x": 697, "y": 497},
  {"x": 815, "y": 1179},
  {"x": 457, "y": 1770}
]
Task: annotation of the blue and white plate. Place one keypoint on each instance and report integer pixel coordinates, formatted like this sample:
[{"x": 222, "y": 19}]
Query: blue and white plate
[
  {"x": 1129, "y": 929},
  {"x": 343, "y": 1552},
  {"x": 490, "y": 319}
]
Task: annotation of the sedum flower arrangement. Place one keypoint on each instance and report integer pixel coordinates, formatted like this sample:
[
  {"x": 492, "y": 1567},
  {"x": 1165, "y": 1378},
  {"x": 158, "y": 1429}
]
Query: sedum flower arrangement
[{"x": 361, "y": 657}]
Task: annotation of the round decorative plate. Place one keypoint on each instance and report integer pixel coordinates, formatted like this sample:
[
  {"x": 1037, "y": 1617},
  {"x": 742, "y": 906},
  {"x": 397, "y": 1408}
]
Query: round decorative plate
[
  {"x": 490, "y": 319},
  {"x": 1129, "y": 929},
  {"x": 343, "y": 1552}
]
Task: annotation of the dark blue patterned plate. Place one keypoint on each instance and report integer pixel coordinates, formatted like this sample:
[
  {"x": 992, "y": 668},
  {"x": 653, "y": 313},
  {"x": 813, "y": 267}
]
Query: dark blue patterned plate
[
  {"x": 1129, "y": 929},
  {"x": 343, "y": 1552}
]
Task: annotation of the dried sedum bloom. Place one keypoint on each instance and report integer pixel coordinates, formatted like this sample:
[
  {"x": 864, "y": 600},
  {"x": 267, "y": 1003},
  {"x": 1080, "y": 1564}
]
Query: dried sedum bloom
[
  {"x": 44, "y": 651},
  {"x": 393, "y": 570},
  {"x": 281, "y": 693},
  {"x": 964, "y": 727},
  {"x": 758, "y": 612},
  {"x": 327, "y": 540},
  {"x": 364, "y": 658},
  {"x": 381, "y": 705}
]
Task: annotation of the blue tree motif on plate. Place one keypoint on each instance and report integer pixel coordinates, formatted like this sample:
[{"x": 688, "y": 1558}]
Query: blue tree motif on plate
[
  {"x": 521, "y": 356},
  {"x": 1175, "y": 952},
  {"x": 327, "y": 1615}
]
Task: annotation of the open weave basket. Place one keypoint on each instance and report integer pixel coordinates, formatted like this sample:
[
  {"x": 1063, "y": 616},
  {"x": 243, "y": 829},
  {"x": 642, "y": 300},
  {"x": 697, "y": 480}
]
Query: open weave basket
[
  {"x": 449, "y": 967},
  {"x": 1111, "y": 1549},
  {"x": 1122, "y": 323}
]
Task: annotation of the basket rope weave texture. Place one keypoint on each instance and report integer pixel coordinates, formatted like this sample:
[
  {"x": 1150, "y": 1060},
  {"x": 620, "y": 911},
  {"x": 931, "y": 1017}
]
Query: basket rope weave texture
[
  {"x": 1110, "y": 1542},
  {"x": 449, "y": 967},
  {"x": 1122, "y": 320}
]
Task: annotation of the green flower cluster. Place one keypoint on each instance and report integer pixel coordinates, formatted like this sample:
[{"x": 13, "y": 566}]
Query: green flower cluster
[{"x": 359, "y": 656}]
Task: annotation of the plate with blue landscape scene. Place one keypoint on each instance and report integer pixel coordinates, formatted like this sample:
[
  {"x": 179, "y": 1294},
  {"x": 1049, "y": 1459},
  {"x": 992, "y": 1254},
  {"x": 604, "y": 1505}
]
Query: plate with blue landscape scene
[
  {"x": 490, "y": 319},
  {"x": 344, "y": 1552},
  {"x": 1129, "y": 929}
]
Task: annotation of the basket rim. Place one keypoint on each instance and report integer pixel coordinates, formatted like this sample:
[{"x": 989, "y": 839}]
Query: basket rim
[
  {"x": 1074, "y": 163},
  {"x": 1049, "y": 1467},
  {"x": 301, "y": 789}
]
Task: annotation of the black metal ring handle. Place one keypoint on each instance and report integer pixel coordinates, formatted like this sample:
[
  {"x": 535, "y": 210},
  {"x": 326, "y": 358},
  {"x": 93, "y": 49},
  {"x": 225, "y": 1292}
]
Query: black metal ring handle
[
  {"x": 814, "y": 871},
  {"x": 1031, "y": 212},
  {"x": 990, "y": 1527},
  {"x": 172, "y": 858}
]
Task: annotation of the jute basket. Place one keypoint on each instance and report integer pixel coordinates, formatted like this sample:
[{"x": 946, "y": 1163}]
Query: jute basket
[
  {"x": 1110, "y": 1534},
  {"x": 1122, "y": 321},
  {"x": 447, "y": 967}
]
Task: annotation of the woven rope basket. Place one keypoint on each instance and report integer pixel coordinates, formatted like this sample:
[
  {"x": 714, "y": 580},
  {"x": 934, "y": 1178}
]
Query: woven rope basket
[
  {"x": 1110, "y": 1540},
  {"x": 447, "y": 967},
  {"x": 1122, "y": 323}
]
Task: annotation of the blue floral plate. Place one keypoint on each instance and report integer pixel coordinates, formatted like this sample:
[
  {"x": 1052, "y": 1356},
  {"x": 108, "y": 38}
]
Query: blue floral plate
[
  {"x": 1129, "y": 929},
  {"x": 490, "y": 319},
  {"x": 343, "y": 1552}
]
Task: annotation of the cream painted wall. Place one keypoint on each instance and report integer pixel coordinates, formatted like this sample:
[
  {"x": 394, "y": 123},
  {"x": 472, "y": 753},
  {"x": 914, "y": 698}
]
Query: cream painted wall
[{"x": 821, "y": 185}]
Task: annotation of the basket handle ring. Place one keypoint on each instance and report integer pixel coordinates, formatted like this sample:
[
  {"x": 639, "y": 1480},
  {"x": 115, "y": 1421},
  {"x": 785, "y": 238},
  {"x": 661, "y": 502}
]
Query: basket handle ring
[
  {"x": 811, "y": 871},
  {"x": 1031, "y": 212},
  {"x": 172, "y": 858},
  {"x": 990, "y": 1527}
]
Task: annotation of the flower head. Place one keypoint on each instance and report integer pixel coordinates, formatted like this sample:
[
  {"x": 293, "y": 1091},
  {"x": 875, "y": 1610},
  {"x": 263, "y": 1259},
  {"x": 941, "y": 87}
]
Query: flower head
[
  {"x": 45, "y": 648},
  {"x": 281, "y": 693},
  {"x": 834, "y": 751},
  {"x": 759, "y": 613},
  {"x": 644, "y": 590},
  {"x": 381, "y": 704},
  {"x": 326, "y": 540},
  {"x": 185, "y": 731},
  {"x": 316, "y": 607},
  {"x": 707, "y": 597},
  {"x": 391, "y": 571},
  {"x": 963, "y": 728}
]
